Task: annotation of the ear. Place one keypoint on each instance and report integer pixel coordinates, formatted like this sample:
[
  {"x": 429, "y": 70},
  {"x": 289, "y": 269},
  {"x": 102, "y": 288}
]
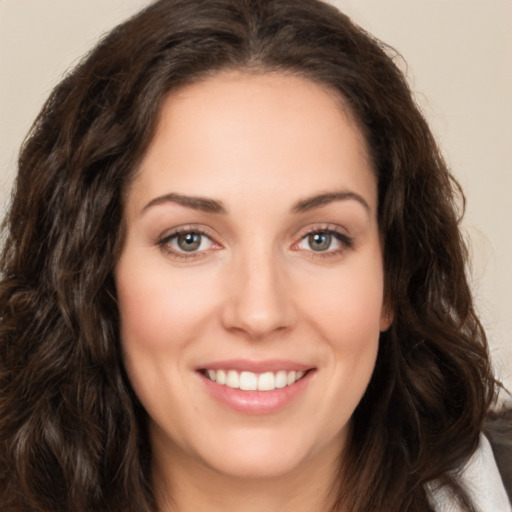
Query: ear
[{"x": 386, "y": 317}]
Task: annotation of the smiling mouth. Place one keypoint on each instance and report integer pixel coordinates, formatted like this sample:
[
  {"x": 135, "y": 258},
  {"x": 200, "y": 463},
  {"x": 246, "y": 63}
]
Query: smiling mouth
[{"x": 249, "y": 381}]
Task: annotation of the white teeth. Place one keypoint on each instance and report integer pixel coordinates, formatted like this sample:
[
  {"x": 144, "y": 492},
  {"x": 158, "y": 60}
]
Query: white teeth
[
  {"x": 249, "y": 381},
  {"x": 266, "y": 382},
  {"x": 281, "y": 379},
  {"x": 221, "y": 376},
  {"x": 233, "y": 380}
]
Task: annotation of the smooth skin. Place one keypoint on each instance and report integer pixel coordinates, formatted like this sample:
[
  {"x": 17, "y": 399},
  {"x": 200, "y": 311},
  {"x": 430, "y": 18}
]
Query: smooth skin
[{"x": 251, "y": 234}]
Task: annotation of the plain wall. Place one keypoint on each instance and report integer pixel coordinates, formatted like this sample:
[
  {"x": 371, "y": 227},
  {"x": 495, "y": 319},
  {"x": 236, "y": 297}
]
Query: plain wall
[{"x": 458, "y": 54}]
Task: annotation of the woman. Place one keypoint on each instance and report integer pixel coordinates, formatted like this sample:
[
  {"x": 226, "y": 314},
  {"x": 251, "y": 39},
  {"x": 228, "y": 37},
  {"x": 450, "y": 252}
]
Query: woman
[{"x": 233, "y": 278}]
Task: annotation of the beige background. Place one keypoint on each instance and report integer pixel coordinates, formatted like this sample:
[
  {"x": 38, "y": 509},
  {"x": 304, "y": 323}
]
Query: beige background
[{"x": 459, "y": 55}]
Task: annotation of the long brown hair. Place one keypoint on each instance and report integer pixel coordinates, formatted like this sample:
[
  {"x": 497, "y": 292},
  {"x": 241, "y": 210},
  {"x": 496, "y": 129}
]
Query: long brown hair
[{"x": 72, "y": 432}]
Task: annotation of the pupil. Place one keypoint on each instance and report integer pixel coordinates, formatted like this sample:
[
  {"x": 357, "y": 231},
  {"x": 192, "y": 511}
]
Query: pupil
[
  {"x": 319, "y": 241},
  {"x": 189, "y": 241}
]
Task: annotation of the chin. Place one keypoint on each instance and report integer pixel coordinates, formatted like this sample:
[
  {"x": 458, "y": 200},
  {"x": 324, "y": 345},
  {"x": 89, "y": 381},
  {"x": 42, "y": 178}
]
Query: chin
[
  {"x": 265, "y": 453},
  {"x": 257, "y": 464}
]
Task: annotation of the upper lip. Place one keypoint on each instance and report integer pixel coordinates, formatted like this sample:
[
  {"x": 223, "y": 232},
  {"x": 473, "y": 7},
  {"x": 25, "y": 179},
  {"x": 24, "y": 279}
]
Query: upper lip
[{"x": 269, "y": 365}]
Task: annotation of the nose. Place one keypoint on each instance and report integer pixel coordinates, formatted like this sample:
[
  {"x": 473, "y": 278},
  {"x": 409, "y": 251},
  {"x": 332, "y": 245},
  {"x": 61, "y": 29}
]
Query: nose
[{"x": 259, "y": 301}]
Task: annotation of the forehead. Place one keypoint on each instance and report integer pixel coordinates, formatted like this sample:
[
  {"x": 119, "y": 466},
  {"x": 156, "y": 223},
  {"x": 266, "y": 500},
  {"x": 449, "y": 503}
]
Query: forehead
[{"x": 237, "y": 132}]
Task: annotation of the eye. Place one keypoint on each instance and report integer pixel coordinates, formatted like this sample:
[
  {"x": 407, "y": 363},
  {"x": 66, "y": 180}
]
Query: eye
[
  {"x": 190, "y": 242},
  {"x": 319, "y": 241},
  {"x": 324, "y": 241},
  {"x": 184, "y": 243}
]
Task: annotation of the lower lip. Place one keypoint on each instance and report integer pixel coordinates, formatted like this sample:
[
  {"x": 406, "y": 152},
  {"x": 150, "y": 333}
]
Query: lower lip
[{"x": 257, "y": 402}]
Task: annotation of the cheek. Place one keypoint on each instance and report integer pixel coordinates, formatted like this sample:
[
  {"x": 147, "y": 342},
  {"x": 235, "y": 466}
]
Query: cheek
[
  {"x": 343, "y": 309},
  {"x": 162, "y": 313},
  {"x": 347, "y": 307},
  {"x": 159, "y": 307}
]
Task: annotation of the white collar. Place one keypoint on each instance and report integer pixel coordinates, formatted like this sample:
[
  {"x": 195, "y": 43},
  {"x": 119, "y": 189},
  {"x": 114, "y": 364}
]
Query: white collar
[{"x": 482, "y": 480}]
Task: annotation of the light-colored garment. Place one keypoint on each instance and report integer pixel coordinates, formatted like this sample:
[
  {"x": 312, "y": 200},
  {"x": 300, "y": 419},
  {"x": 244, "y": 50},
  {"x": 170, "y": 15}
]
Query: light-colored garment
[{"x": 482, "y": 480}]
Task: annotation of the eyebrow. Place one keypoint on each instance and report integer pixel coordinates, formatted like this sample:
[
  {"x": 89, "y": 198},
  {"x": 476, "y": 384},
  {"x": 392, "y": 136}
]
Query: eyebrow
[
  {"x": 209, "y": 205},
  {"x": 204, "y": 204},
  {"x": 317, "y": 201}
]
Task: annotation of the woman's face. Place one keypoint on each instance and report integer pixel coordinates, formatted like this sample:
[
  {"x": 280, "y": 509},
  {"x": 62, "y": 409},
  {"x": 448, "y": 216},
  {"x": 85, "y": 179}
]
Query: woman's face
[{"x": 250, "y": 284}]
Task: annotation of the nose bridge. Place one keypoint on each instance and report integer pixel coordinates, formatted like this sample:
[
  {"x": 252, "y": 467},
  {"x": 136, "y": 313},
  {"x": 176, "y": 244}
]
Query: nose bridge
[{"x": 259, "y": 301}]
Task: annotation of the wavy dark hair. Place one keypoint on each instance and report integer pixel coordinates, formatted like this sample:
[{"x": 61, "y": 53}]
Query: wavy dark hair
[{"x": 73, "y": 435}]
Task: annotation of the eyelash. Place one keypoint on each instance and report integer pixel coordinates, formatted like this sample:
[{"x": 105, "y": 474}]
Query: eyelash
[
  {"x": 183, "y": 255},
  {"x": 345, "y": 240}
]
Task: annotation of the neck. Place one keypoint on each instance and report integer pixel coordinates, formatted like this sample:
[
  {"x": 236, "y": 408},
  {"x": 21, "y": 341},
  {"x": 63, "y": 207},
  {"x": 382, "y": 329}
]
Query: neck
[{"x": 182, "y": 485}]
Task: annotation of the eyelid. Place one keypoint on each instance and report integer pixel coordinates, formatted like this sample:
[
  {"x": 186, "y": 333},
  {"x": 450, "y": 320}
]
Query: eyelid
[
  {"x": 164, "y": 239},
  {"x": 339, "y": 232},
  {"x": 322, "y": 227},
  {"x": 335, "y": 230}
]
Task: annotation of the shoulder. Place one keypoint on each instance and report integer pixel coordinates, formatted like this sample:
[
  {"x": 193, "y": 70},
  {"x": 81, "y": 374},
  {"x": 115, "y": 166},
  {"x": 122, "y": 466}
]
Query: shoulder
[
  {"x": 482, "y": 480},
  {"x": 499, "y": 432}
]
